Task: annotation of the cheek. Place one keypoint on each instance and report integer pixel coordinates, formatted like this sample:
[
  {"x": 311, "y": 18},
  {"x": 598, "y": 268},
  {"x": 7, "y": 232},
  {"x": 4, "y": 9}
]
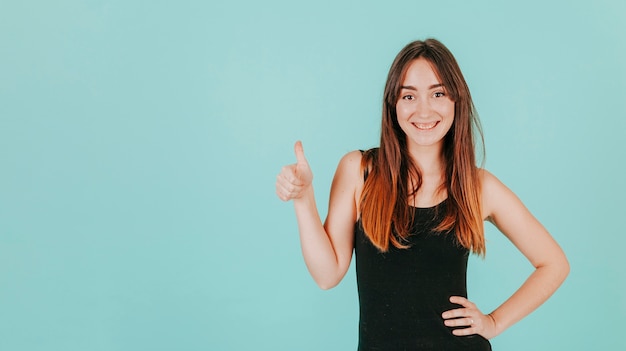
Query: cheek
[
  {"x": 449, "y": 111},
  {"x": 402, "y": 111}
]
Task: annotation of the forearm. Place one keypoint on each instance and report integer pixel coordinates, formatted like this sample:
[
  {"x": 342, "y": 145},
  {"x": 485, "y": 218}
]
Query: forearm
[
  {"x": 317, "y": 249},
  {"x": 541, "y": 284}
]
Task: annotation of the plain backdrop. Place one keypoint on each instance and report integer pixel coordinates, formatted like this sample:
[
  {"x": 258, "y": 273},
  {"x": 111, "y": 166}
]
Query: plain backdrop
[{"x": 140, "y": 141}]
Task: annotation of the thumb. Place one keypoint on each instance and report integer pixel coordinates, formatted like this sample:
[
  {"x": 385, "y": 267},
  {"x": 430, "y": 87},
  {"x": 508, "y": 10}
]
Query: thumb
[{"x": 300, "y": 153}]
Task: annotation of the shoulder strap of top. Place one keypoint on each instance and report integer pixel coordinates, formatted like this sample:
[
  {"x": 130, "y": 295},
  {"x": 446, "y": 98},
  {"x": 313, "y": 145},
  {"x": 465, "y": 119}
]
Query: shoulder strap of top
[{"x": 366, "y": 171}]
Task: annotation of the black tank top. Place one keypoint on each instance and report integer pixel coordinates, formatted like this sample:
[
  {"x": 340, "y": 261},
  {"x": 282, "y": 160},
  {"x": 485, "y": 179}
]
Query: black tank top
[{"x": 403, "y": 292}]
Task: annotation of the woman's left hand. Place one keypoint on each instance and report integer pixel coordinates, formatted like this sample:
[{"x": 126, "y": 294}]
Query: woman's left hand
[{"x": 471, "y": 317}]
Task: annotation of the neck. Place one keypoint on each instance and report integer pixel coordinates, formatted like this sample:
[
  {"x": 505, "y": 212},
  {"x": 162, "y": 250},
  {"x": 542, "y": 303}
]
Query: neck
[
  {"x": 430, "y": 163},
  {"x": 428, "y": 159}
]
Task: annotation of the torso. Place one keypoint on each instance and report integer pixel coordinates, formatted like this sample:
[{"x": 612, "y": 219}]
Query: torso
[{"x": 403, "y": 292}]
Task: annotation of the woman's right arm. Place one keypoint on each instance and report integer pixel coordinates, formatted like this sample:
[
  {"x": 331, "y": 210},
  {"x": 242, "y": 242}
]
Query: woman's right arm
[{"x": 327, "y": 249}]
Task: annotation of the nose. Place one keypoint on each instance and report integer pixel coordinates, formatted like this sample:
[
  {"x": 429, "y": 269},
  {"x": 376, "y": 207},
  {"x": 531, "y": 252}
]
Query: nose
[{"x": 423, "y": 108}]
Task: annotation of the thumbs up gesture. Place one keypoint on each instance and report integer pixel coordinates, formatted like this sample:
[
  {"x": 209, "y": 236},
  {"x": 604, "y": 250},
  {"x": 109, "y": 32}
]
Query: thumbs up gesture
[{"x": 294, "y": 179}]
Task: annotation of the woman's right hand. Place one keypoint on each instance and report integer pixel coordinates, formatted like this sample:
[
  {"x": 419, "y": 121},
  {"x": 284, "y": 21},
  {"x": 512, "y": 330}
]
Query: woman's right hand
[{"x": 294, "y": 179}]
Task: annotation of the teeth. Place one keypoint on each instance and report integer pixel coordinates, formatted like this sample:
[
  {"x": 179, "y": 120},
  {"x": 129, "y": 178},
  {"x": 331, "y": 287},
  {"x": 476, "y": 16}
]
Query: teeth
[{"x": 425, "y": 125}]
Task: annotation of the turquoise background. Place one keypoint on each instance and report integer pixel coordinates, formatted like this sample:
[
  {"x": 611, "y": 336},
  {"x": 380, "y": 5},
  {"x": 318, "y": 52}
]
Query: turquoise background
[{"x": 140, "y": 140}]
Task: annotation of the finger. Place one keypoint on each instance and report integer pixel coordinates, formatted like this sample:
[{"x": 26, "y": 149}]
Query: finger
[
  {"x": 281, "y": 191},
  {"x": 289, "y": 180},
  {"x": 459, "y": 322},
  {"x": 288, "y": 175},
  {"x": 460, "y": 300},
  {"x": 300, "y": 153},
  {"x": 456, "y": 313},
  {"x": 465, "y": 331},
  {"x": 284, "y": 194},
  {"x": 281, "y": 196},
  {"x": 288, "y": 189}
]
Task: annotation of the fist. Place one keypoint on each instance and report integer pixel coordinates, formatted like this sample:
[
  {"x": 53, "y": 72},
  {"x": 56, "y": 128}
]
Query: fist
[{"x": 294, "y": 179}]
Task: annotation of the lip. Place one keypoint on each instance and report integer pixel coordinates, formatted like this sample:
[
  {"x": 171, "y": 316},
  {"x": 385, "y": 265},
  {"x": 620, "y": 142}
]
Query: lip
[{"x": 425, "y": 126}]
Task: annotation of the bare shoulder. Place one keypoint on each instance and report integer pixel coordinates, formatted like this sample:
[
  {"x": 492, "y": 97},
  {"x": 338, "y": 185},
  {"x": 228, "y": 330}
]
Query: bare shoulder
[
  {"x": 348, "y": 182},
  {"x": 352, "y": 159},
  {"x": 489, "y": 182},
  {"x": 350, "y": 166}
]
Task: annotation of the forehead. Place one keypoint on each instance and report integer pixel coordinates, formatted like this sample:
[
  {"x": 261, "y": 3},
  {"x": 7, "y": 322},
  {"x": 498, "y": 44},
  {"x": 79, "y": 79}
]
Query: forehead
[{"x": 420, "y": 72}]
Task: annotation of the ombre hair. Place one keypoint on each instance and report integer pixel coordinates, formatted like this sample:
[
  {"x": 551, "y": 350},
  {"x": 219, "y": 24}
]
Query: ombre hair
[{"x": 393, "y": 177}]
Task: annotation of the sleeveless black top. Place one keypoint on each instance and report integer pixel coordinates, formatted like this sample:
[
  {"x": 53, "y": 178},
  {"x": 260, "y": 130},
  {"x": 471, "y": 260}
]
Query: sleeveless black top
[{"x": 403, "y": 292}]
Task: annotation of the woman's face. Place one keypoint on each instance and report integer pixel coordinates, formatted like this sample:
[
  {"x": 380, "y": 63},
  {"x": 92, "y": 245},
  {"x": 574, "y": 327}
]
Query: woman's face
[{"x": 425, "y": 112}]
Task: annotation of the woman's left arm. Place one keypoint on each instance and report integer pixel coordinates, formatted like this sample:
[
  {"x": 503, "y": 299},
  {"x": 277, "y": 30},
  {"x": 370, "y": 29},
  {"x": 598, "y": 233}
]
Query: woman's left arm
[{"x": 505, "y": 210}]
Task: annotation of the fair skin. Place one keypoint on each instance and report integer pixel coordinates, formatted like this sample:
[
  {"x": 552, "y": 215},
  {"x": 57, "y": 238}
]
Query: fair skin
[{"x": 425, "y": 113}]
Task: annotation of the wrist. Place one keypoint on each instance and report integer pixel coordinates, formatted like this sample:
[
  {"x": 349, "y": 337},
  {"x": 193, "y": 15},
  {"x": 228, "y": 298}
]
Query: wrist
[
  {"x": 496, "y": 329},
  {"x": 306, "y": 196}
]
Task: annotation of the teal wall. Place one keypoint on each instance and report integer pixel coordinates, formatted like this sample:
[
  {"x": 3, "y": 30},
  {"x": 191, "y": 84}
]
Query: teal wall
[{"x": 140, "y": 140}]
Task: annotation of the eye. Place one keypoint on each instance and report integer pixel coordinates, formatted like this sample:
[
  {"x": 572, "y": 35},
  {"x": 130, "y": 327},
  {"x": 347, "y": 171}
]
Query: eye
[
  {"x": 407, "y": 97},
  {"x": 440, "y": 94}
]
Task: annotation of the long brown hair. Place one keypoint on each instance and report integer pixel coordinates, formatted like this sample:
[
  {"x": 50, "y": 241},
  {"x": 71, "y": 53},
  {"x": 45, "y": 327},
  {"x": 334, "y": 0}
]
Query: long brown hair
[{"x": 393, "y": 177}]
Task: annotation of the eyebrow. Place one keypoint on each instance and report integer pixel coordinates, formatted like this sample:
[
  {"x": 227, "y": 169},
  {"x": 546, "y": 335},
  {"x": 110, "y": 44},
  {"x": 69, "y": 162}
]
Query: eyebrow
[{"x": 410, "y": 87}]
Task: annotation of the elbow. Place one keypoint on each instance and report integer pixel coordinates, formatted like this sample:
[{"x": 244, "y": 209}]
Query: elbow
[
  {"x": 565, "y": 268},
  {"x": 329, "y": 279},
  {"x": 327, "y": 282},
  {"x": 326, "y": 285},
  {"x": 561, "y": 268},
  {"x": 558, "y": 267}
]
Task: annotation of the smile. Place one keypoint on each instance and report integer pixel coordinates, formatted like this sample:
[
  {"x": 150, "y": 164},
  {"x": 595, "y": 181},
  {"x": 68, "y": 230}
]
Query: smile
[{"x": 425, "y": 126}]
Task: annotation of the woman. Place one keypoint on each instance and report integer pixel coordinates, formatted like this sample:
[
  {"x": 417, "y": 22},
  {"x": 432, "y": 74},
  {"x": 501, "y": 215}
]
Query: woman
[{"x": 412, "y": 210}]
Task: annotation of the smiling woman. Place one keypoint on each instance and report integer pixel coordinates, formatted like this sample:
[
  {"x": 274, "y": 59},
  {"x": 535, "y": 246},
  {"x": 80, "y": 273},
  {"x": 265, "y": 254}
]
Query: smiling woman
[{"x": 412, "y": 210}]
